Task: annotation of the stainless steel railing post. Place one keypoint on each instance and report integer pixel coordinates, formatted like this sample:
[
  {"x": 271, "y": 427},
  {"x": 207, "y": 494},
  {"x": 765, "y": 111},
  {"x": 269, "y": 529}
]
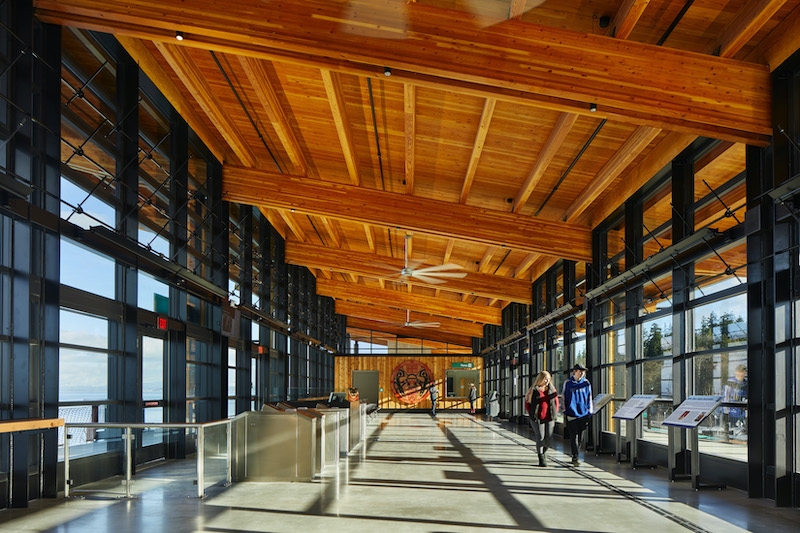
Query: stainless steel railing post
[
  {"x": 200, "y": 472},
  {"x": 66, "y": 462},
  {"x": 128, "y": 459},
  {"x": 229, "y": 428}
]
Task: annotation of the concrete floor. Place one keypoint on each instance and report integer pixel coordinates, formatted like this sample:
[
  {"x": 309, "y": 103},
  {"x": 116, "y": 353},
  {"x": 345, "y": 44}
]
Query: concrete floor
[{"x": 454, "y": 473}]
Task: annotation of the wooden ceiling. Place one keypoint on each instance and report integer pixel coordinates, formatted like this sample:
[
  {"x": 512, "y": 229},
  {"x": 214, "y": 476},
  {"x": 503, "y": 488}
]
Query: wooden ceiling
[{"x": 506, "y": 130}]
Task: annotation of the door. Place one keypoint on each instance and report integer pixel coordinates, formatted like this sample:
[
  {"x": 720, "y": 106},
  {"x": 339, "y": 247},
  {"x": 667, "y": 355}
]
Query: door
[{"x": 366, "y": 381}]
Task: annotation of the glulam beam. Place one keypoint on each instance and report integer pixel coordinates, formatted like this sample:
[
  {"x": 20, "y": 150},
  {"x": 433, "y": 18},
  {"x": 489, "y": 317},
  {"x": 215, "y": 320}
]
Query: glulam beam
[
  {"x": 341, "y": 290},
  {"x": 520, "y": 62},
  {"x": 398, "y": 316},
  {"x": 422, "y": 333},
  {"x": 382, "y": 267},
  {"x": 408, "y": 213}
]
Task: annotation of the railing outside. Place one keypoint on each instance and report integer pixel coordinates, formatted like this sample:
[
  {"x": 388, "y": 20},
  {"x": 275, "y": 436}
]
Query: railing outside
[{"x": 214, "y": 451}]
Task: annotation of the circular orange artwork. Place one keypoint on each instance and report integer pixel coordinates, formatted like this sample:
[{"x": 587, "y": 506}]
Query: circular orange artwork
[{"x": 410, "y": 382}]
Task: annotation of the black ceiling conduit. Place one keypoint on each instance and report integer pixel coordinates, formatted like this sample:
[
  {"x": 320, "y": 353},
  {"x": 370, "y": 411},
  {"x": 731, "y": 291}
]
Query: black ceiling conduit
[
  {"x": 375, "y": 127},
  {"x": 246, "y": 112},
  {"x": 316, "y": 230},
  {"x": 574, "y": 162},
  {"x": 675, "y": 22}
]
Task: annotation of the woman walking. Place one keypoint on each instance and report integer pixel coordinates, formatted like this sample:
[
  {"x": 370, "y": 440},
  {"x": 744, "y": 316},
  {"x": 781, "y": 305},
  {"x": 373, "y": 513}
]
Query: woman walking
[
  {"x": 541, "y": 401},
  {"x": 473, "y": 395}
]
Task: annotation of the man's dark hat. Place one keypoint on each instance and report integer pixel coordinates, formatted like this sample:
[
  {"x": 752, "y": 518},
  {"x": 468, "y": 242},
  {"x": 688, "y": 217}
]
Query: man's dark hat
[{"x": 579, "y": 366}]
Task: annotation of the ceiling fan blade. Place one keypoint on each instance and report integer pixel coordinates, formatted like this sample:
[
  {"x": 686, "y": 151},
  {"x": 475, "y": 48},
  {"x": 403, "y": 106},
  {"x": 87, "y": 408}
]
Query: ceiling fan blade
[
  {"x": 426, "y": 279},
  {"x": 454, "y": 275},
  {"x": 418, "y": 324},
  {"x": 438, "y": 268}
]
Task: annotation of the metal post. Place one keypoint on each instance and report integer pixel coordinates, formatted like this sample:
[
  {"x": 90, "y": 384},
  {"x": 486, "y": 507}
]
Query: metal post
[
  {"x": 201, "y": 442},
  {"x": 619, "y": 441},
  {"x": 128, "y": 460},
  {"x": 695, "y": 469},
  {"x": 66, "y": 462},
  {"x": 229, "y": 427}
]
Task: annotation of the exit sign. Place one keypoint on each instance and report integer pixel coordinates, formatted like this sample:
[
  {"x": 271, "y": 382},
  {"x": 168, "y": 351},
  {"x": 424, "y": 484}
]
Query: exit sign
[{"x": 462, "y": 365}]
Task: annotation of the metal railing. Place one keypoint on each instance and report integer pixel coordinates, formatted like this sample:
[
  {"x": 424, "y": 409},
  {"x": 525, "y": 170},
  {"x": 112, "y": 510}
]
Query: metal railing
[{"x": 128, "y": 438}]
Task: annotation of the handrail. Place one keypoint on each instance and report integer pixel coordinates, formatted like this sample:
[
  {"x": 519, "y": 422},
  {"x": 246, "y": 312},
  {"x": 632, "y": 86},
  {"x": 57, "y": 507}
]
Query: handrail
[
  {"x": 27, "y": 424},
  {"x": 177, "y": 425},
  {"x": 128, "y": 439}
]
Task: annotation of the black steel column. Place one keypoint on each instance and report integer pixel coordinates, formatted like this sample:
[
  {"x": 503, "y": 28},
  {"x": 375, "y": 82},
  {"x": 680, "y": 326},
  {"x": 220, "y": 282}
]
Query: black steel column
[
  {"x": 760, "y": 348},
  {"x": 175, "y": 390},
  {"x": 218, "y": 256},
  {"x": 682, "y": 227},
  {"x": 48, "y": 161},
  {"x": 123, "y": 371},
  {"x": 779, "y": 365},
  {"x": 634, "y": 298}
]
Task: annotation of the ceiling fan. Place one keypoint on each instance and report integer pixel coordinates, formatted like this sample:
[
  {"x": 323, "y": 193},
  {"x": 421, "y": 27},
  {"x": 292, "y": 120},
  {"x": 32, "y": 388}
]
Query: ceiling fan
[
  {"x": 434, "y": 274},
  {"x": 417, "y": 323}
]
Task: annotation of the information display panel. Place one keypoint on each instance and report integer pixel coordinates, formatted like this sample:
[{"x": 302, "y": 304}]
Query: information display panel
[
  {"x": 600, "y": 401},
  {"x": 635, "y": 406},
  {"x": 692, "y": 411}
]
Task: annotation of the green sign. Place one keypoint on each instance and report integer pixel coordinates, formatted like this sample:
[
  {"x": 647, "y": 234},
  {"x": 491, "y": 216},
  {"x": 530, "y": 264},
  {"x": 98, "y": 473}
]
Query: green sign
[{"x": 462, "y": 365}]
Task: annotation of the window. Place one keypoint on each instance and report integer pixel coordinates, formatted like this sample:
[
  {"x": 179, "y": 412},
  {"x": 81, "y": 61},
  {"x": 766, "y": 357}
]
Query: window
[
  {"x": 457, "y": 382},
  {"x": 83, "y": 374},
  {"x": 78, "y": 260}
]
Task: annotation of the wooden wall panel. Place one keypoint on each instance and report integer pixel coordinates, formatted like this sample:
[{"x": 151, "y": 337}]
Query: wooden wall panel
[{"x": 345, "y": 365}]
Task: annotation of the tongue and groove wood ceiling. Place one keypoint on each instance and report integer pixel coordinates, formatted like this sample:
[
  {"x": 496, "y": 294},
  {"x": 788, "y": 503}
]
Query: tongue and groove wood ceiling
[{"x": 506, "y": 130}]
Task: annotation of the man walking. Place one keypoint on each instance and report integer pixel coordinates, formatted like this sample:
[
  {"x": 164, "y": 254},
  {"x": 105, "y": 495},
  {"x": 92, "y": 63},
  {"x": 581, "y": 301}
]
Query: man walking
[
  {"x": 434, "y": 396},
  {"x": 577, "y": 394},
  {"x": 473, "y": 396}
]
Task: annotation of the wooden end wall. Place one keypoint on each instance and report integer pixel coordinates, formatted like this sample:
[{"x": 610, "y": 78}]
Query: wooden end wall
[{"x": 345, "y": 365}]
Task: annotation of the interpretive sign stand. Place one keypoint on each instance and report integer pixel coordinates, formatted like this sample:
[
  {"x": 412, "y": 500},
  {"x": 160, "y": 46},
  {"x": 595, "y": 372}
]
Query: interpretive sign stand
[
  {"x": 689, "y": 415},
  {"x": 629, "y": 412},
  {"x": 598, "y": 402}
]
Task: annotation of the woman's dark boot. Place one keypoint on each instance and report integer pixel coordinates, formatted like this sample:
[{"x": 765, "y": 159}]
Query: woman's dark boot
[{"x": 542, "y": 460}]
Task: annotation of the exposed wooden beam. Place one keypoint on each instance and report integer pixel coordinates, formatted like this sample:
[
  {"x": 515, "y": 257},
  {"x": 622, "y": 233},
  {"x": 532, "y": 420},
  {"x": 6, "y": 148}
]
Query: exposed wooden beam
[
  {"x": 517, "y": 8},
  {"x": 391, "y": 298},
  {"x": 477, "y": 147},
  {"x": 424, "y": 215},
  {"x": 541, "y": 266},
  {"x": 337, "y": 241},
  {"x": 150, "y": 66},
  {"x": 256, "y": 73},
  {"x": 661, "y": 155},
  {"x": 326, "y": 273},
  {"x": 353, "y": 278},
  {"x": 525, "y": 264},
  {"x": 553, "y": 144},
  {"x": 274, "y": 217},
  {"x": 289, "y": 219},
  {"x": 398, "y": 316},
  {"x": 410, "y": 107},
  {"x": 195, "y": 81},
  {"x": 370, "y": 237},
  {"x": 333, "y": 89},
  {"x": 773, "y": 50},
  {"x": 545, "y": 66},
  {"x": 448, "y": 251},
  {"x": 637, "y": 142},
  {"x": 626, "y": 18},
  {"x": 487, "y": 258},
  {"x": 423, "y": 333},
  {"x": 780, "y": 44},
  {"x": 750, "y": 18},
  {"x": 378, "y": 266}
]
